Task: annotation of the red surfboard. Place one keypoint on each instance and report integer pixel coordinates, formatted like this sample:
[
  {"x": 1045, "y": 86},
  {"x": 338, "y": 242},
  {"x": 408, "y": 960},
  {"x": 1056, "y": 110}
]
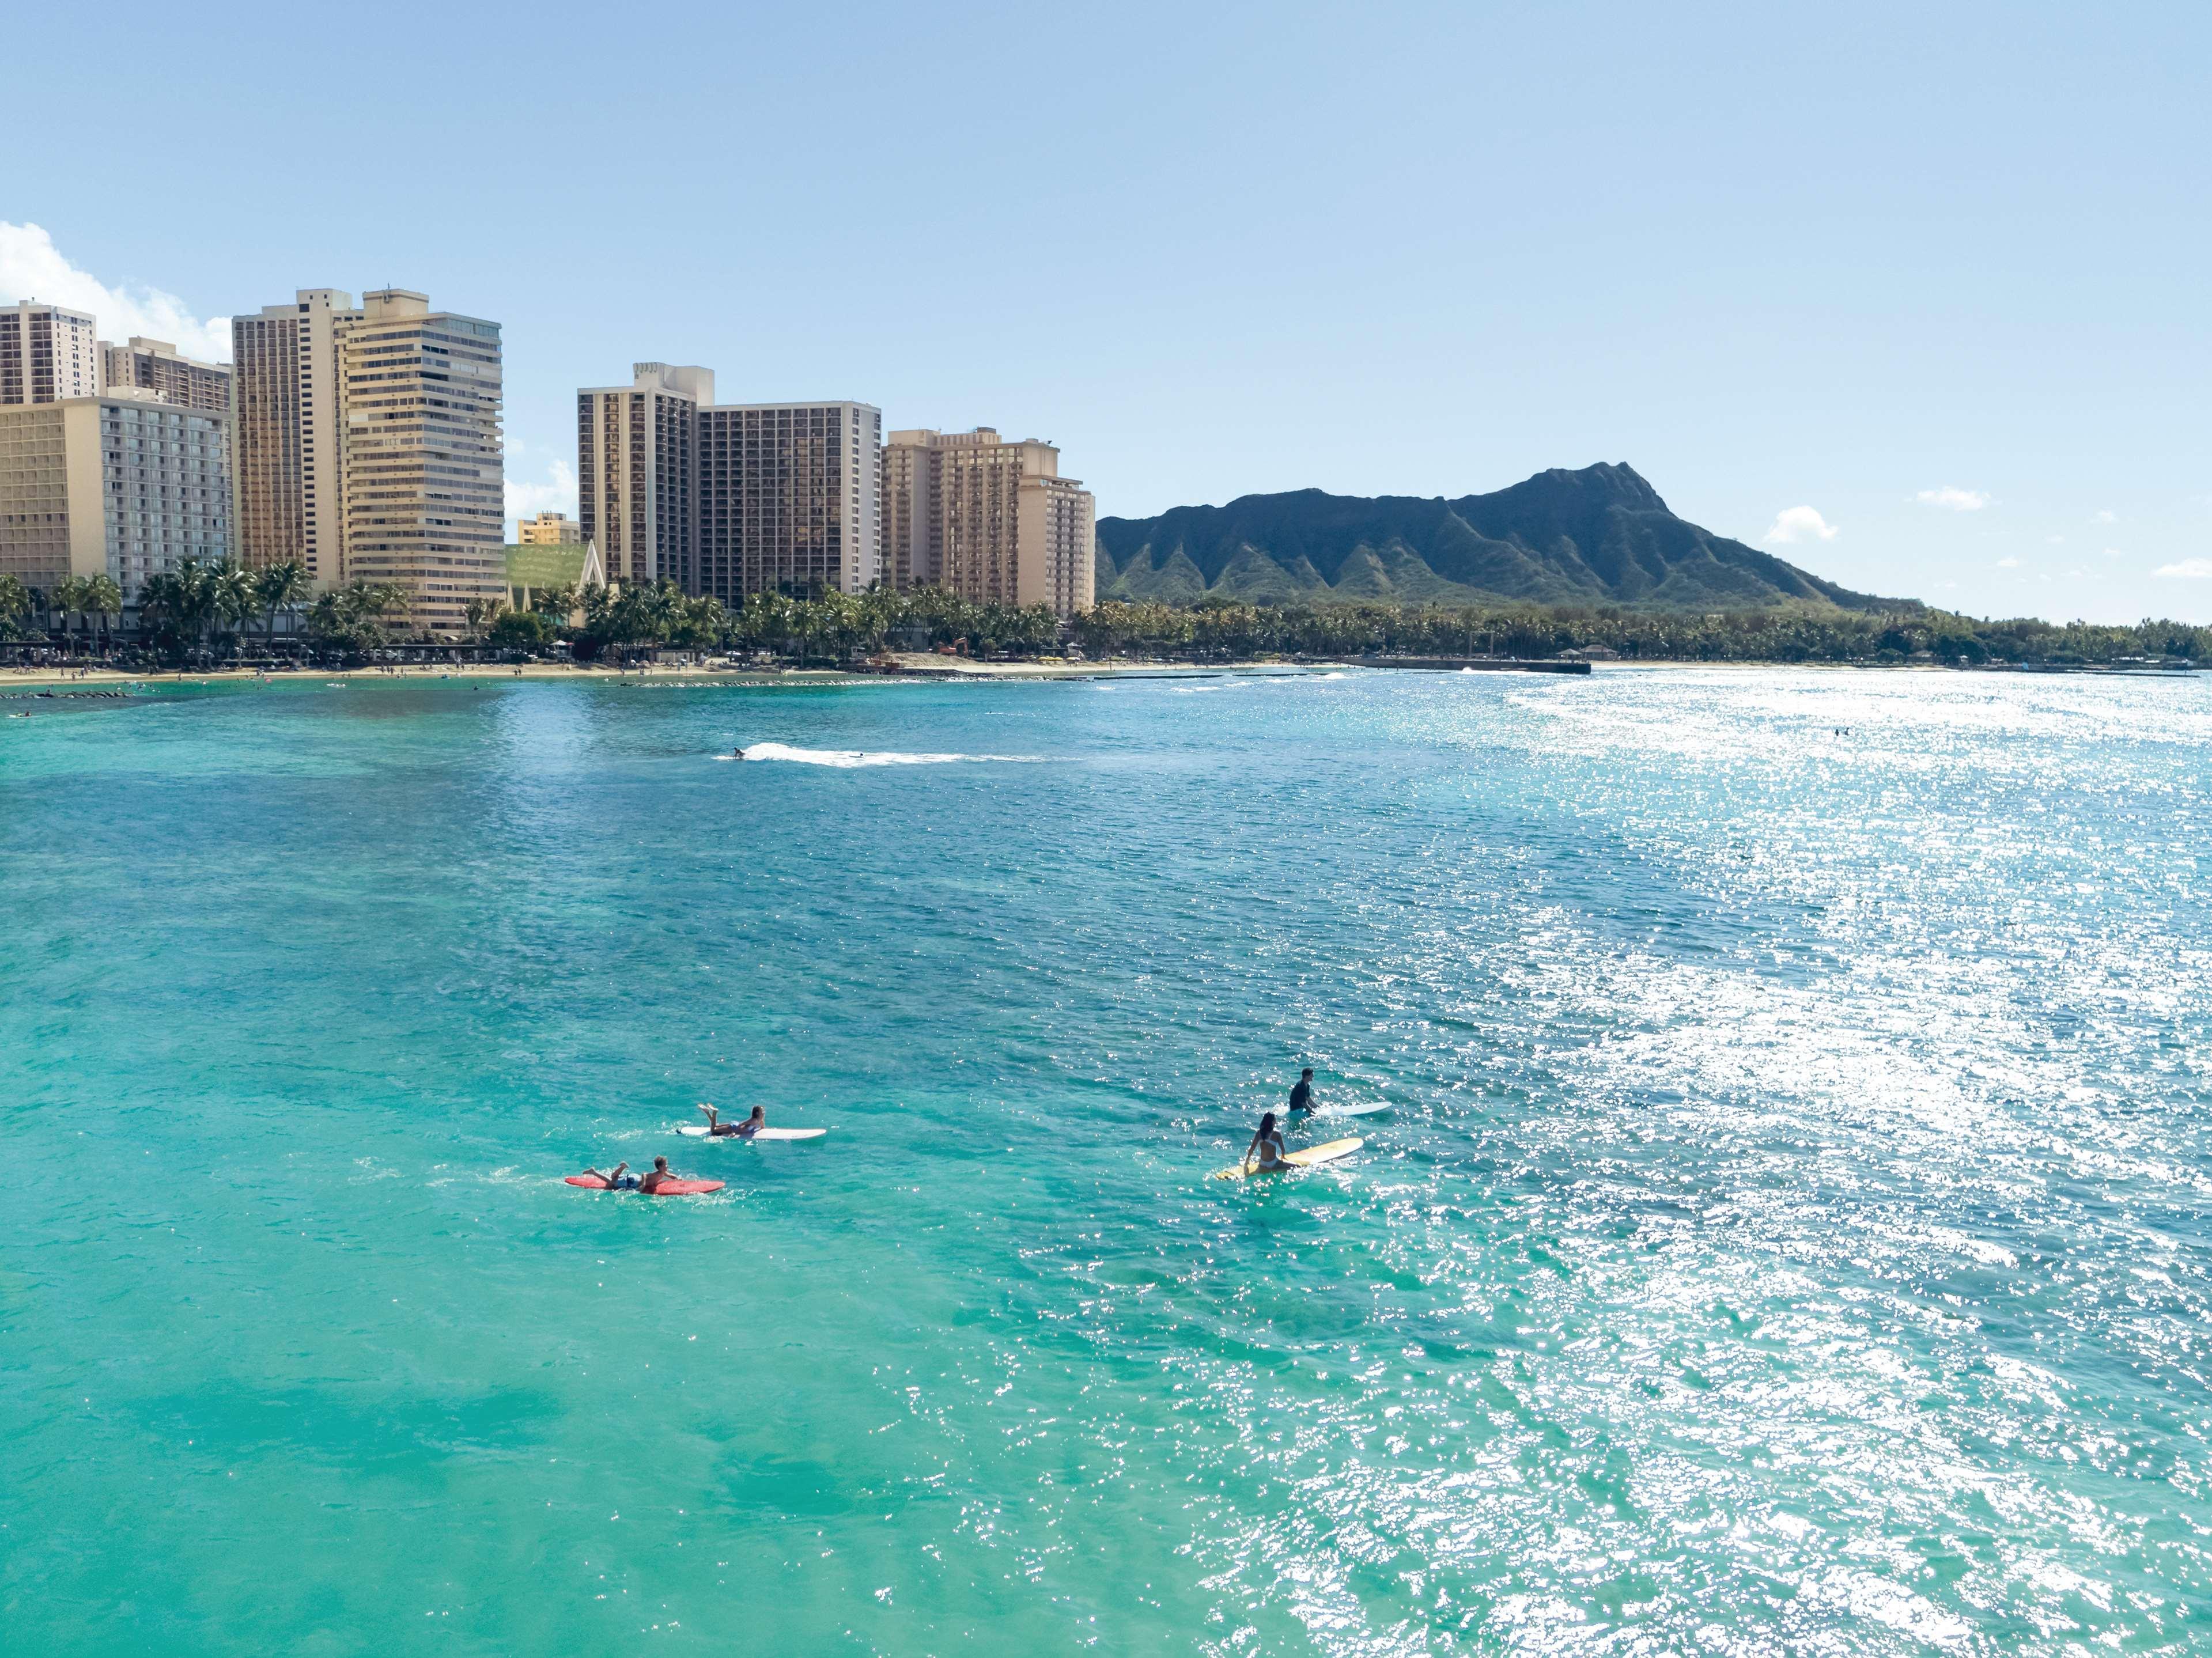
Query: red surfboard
[{"x": 669, "y": 1188}]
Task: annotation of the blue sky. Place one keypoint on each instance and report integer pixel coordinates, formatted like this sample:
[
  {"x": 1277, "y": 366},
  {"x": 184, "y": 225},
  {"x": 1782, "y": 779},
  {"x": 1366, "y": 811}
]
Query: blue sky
[{"x": 1919, "y": 297}]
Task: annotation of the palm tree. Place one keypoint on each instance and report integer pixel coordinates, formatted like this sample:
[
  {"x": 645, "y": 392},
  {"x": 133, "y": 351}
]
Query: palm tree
[
  {"x": 280, "y": 588},
  {"x": 554, "y": 603},
  {"x": 63, "y": 597},
  {"x": 479, "y": 612},
  {"x": 102, "y": 596},
  {"x": 15, "y": 601},
  {"x": 232, "y": 596}
]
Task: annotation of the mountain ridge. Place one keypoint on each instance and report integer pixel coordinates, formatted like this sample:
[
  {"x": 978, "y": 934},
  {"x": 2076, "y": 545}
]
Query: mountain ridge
[{"x": 1594, "y": 535}]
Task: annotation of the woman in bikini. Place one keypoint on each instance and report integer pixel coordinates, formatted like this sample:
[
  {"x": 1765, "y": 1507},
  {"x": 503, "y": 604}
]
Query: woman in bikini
[{"x": 1266, "y": 1151}]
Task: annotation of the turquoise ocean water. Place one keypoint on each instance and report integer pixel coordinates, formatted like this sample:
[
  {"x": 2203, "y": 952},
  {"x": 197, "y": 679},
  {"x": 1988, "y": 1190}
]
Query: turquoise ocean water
[{"x": 1790, "y": 1234}]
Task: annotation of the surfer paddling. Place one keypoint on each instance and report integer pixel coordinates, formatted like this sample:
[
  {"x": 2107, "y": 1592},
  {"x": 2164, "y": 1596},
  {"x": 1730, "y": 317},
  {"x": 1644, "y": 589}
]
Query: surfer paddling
[
  {"x": 648, "y": 1183},
  {"x": 717, "y": 1129}
]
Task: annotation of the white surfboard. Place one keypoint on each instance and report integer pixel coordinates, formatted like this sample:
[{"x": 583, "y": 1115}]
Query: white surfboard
[
  {"x": 1312, "y": 1157},
  {"x": 1375, "y": 1110},
  {"x": 701, "y": 1132}
]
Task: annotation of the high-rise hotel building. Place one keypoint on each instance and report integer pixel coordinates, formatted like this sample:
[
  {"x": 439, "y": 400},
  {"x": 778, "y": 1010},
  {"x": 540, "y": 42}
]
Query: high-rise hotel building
[
  {"x": 637, "y": 473},
  {"x": 423, "y": 467},
  {"x": 47, "y": 353},
  {"x": 991, "y": 520},
  {"x": 790, "y": 499},
  {"x": 368, "y": 446},
  {"x": 156, "y": 366},
  {"x": 728, "y": 500},
  {"x": 287, "y": 435},
  {"x": 123, "y": 484}
]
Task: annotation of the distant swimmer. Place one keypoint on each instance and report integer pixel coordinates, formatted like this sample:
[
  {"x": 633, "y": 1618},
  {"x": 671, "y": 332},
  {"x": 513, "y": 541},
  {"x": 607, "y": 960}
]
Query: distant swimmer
[
  {"x": 744, "y": 1131},
  {"x": 649, "y": 1182},
  {"x": 1266, "y": 1151},
  {"x": 1302, "y": 1095}
]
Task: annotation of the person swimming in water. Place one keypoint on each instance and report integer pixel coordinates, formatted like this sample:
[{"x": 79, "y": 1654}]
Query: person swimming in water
[
  {"x": 1266, "y": 1151},
  {"x": 717, "y": 1129},
  {"x": 648, "y": 1182},
  {"x": 1302, "y": 1095}
]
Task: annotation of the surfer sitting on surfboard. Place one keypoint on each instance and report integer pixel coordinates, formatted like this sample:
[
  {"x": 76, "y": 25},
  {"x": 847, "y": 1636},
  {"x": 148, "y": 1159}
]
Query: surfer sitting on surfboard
[
  {"x": 744, "y": 1131},
  {"x": 1267, "y": 1144},
  {"x": 649, "y": 1182},
  {"x": 1302, "y": 1095}
]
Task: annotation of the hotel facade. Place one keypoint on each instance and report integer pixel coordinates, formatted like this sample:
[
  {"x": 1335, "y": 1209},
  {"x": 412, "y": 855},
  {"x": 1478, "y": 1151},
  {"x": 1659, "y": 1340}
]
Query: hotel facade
[
  {"x": 422, "y": 465},
  {"x": 48, "y": 354},
  {"x": 123, "y": 485},
  {"x": 548, "y": 530},
  {"x": 994, "y": 521},
  {"x": 287, "y": 436},
  {"x": 636, "y": 472},
  {"x": 727, "y": 499},
  {"x": 369, "y": 448},
  {"x": 157, "y": 366}
]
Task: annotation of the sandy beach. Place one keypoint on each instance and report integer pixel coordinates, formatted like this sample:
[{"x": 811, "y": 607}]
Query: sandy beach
[{"x": 916, "y": 666}]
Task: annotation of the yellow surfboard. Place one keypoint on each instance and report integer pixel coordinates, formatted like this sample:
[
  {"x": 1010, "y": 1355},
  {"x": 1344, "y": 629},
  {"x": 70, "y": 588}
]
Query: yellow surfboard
[{"x": 1308, "y": 1158}]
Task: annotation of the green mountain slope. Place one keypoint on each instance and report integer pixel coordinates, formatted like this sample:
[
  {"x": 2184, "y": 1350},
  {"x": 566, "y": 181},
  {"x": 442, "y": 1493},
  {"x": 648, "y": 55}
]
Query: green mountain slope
[{"x": 1600, "y": 536}]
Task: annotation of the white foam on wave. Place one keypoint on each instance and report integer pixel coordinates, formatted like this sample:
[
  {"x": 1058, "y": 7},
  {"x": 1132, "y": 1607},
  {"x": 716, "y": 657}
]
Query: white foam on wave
[{"x": 846, "y": 759}]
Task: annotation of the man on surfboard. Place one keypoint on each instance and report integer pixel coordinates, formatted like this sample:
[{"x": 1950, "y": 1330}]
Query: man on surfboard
[
  {"x": 717, "y": 1129},
  {"x": 648, "y": 1183},
  {"x": 1302, "y": 1095}
]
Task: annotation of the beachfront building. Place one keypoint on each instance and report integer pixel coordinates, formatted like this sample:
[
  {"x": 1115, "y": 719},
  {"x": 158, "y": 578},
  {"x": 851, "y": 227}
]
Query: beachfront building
[
  {"x": 535, "y": 567},
  {"x": 550, "y": 529},
  {"x": 636, "y": 476},
  {"x": 727, "y": 499},
  {"x": 790, "y": 499},
  {"x": 48, "y": 354},
  {"x": 422, "y": 469},
  {"x": 287, "y": 436},
  {"x": 157, "y": 366},
  {"x": 990, "y": 519},
  {"x": 125, "y": 485}
]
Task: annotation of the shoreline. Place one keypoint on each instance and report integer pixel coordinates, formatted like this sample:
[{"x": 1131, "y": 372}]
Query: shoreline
[
  {"x": 940, "y": 670},
  {"x": 912, "y": 668}
]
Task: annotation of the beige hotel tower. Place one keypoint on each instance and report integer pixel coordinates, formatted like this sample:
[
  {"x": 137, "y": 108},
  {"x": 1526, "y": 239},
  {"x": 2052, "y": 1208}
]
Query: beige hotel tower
[
  {"x": 989, "y": 519},
  {"x": 368, "y": 447}
]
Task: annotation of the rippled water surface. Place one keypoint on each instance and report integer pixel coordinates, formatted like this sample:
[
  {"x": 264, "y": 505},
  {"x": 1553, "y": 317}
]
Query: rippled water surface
[{"x": 1790, "y": 1231}]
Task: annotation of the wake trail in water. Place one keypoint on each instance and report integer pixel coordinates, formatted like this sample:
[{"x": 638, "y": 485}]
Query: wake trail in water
[{"x": 846, "y": 759}]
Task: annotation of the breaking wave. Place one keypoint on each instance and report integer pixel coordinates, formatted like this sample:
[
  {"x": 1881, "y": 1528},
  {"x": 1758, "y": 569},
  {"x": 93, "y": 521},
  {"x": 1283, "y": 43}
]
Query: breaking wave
[{"x": 849, "y": 758}]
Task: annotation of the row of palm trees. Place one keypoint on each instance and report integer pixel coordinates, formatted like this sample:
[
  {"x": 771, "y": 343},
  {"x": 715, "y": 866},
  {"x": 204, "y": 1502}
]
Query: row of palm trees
[{"x": 195, "y": 600}]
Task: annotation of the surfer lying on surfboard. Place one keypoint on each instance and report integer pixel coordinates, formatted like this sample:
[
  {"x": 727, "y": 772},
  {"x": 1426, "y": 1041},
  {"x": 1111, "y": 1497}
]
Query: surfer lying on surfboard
[
  {"x": 744, "y": 1131},
  {"x": 648, "y": 1182}
]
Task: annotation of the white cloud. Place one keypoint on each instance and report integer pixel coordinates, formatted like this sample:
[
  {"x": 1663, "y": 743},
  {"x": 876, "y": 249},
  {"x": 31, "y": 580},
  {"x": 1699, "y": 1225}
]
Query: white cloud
[
  {"x": 32, "y": 268},
  {"x": 2108, "y": 516},
  {"x": 2112, "y": 552},
  {"x": 1954, "y": 499},
  {"x": 2199, "y": 569},
  {"x": 1799, "y": 523},
  {"x": 2008, "y": 564},
  {"x": 557, "y": 493},
  {"x": 2053, "y": 541}
]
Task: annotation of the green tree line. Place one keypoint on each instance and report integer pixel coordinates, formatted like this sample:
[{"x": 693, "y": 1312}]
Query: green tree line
[
  {"x": 207, "y": 608},
  {"x": 1221, "y": 631}
]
